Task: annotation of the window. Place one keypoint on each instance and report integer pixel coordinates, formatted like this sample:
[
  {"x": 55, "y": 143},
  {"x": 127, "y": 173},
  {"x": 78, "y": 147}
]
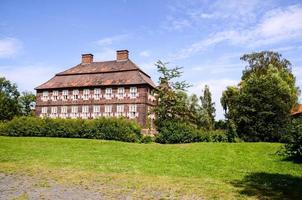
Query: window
[
  {"x": 54, "y": 110},
  {"x": 108, "y": 110},
  {"x": 75, "y": 94},
  {"x": 119, "y": 110},
  {"x": 96, "y": 109},
  {"x": 85, "y": 109},
  {"x": 64, "y": 109},
  {"x": 74, "y": 109},
  {"x": 45, "y": 96},
  {"x": 65, "y": 95},
  {"x": 97, "y": 93},
  {"x": 108, "y": 93},
  {"x": 120, "y": 92},
  {"x": 44, "y": 110},
  {"x": 132, "y": 111},
  {"x": 86, "y": 93},
  {"x": 55, "y": 95},
  {"x": 133, "y": 92}
]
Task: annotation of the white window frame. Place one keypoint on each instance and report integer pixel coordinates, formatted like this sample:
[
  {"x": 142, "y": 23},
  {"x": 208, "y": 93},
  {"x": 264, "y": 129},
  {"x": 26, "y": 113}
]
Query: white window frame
[
  {"x": 132, "y": 111},
  {"x": 86, "y": 94},
  {"x": 108, "y": 93},
  {"x": 96, "y": 111},
  {"x": 74, "y": 109},
  {"x": 65, "y": 95},
  {"x": 85, "y": 109},
  {"x": 54, "y": 110},
  {"x": 120, "y": 93},
  {"x": 55, "y": 95},
  {"x": 133, "y": 92},
  {"x": 75, "y": 95},
  {"x": 97, "y": 93},
  {"x": 108, "y": 110},
  {"x": 64, "y": 110},
  {"x": 44, "y": 110},
  {"x": 120, "y": 110},
  {"x": 45, "y": 96}
]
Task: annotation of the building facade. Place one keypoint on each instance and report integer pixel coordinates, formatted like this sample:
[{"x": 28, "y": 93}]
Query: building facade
[{"x": 99, "y": 89}]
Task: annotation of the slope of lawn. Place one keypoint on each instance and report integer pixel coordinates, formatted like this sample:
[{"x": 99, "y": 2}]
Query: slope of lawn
[{"x": 208, "y": 170}]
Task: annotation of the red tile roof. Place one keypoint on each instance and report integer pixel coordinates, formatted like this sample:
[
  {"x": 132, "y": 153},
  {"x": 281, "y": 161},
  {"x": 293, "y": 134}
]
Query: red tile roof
[
  {"x": 99, "y": 74},
  {"x": 297, "y": 110}
]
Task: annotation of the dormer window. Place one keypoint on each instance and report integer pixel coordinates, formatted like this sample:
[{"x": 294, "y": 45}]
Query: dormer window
[
  {"x": 97, "y": 93},
  {"x": 64, "y": 95},
  {"x": 120, "y": 93},
  {"x": 133, "y": 92},
  {"x": 86, "y": 93},
  {"x": 45, "y": 96},
  {"x": 55, "y": 95},
  {"x": 108, "y": 93},
  {"x": 75, "y": 94}
]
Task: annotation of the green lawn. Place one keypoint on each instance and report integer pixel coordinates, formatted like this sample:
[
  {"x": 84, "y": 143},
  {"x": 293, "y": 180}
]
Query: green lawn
[{"x": 208, "y": 170}]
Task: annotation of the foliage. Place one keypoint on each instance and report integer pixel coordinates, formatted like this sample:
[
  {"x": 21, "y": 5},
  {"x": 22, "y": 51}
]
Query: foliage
[
  {"x": 220, "y": 124},
  {"x": 173, "y": 131},
  {"x": 103, "y": 128},
  {"x": 208, "y": 107},
  {"x": 260, "y": 106},
  {"x": 170, "y": 96},
  {"x": 9, "y": 106},
  {"x": 294, "y": 142},
  {"x": 27, "y": 101},
  {"x": 147, "y": 139},
  {"x": 179, "y": 132}
]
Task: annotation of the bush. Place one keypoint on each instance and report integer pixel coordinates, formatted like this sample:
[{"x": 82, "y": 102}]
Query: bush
[
  {"x": 294, "y": 140},
  {"x": 102, "y": 128},
  {"x": 147, "y": 139},
  {"x": 177, "y": 132}
]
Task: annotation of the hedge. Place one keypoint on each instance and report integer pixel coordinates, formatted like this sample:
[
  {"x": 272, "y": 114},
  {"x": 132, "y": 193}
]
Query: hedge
[
  {"x": 173, "y": 132},
  {"x": 102, "y": 128}
]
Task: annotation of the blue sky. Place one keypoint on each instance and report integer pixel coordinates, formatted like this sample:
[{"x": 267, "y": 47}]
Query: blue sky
[{"x": 206, "y": 38}]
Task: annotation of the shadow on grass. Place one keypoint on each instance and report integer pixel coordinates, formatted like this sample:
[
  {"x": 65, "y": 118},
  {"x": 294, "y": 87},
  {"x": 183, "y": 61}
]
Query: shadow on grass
[
  {"x": 293, "y": 159},
  {"x": 270, "y": 186}
]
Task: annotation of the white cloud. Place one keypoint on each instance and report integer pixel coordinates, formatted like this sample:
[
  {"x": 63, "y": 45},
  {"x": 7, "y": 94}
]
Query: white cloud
[
  {"x": 274, "y": 27},
  {"x": 112, "y": 39},
  {"x": 145, "y": 53},
  {"x": 9, "y": 47},
  {"x": 28, "y": 77},
  {"x": 216, "y": 88}
]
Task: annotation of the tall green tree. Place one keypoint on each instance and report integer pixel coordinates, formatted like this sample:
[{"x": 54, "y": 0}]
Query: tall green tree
[
  {"x": 260, "y": 105},
  {"x": 27, "y": 101},
  {"x": 9, "y": 106},
  {"x": 171, "y": 96},
  {"x": 208, "y": 107}
]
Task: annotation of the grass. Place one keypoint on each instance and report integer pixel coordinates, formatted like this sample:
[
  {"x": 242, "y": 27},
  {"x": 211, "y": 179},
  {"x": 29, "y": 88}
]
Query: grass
[{"x": 208, "y": 170}]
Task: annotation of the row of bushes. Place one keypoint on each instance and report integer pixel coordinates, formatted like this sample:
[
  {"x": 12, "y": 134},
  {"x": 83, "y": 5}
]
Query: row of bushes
[
  {"x": 103, "y": 128},
  {"x": 179, "y": 132},
  {"x": 119, "y": 129}
]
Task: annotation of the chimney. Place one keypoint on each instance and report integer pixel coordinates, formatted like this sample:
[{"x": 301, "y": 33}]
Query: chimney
[
  {"x": 122, "y": 55},
  {"x": 87, "y": 58}
]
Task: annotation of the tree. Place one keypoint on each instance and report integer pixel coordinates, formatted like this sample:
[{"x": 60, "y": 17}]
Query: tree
[
  {"x": 171, "y": 96},
  {"x": 260, "y": 105},
  {"x": 26, "y": 101},
  {"x": 208, "y": 107},
  {"x": 9, "y": 106}
]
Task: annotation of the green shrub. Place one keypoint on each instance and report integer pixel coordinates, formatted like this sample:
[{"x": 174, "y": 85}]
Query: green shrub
[
  {"x": 177, "y": 132},
  {"x": 294, "y": 141},
  {"x": 101, "y": 128},
  {"x": 147, "y": 139}
]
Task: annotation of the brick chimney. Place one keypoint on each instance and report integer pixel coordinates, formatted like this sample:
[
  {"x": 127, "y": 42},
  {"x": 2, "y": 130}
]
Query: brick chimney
[
  {"x": 122, "y": 55},
  {"x": 87, "y": 58}
]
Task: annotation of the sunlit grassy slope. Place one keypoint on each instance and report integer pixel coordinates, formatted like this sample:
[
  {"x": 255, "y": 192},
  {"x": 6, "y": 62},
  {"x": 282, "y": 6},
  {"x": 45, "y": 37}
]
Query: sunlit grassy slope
[{"x": 208, "y": 170}]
